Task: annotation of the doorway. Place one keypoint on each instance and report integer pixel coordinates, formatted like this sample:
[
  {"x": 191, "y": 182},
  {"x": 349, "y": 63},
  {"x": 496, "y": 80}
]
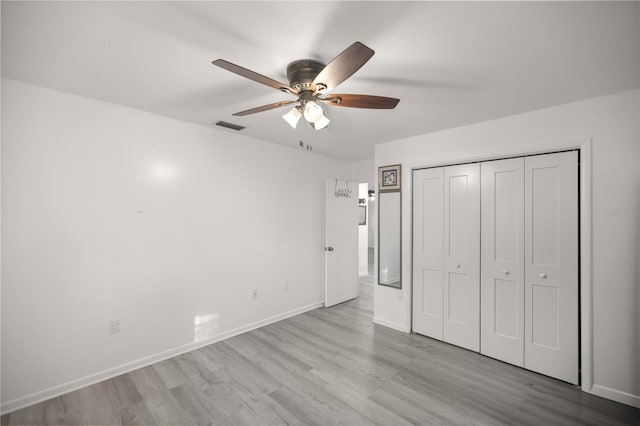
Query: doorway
[{"x": 365, "y": 242}]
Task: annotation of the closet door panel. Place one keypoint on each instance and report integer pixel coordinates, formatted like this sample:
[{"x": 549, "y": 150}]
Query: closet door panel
[
  {"x": 428, "y": 252},
  {"x": 462, "y": 256},
  {"x": 551, "y": 268},
  {"x": 502, "y": 254}
]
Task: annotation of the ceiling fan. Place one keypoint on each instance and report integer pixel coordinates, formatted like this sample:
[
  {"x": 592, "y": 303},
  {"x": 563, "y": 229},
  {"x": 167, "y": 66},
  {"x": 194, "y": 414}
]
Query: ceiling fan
[{"x": 310, "y": 81}]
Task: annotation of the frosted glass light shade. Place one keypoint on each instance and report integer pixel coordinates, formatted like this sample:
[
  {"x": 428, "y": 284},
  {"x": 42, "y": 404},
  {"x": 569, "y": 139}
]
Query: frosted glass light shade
[
  {"x": 312, "y": 112},
  {"x": 321, "y": 123},
  {"x": 292, "y": 117}
]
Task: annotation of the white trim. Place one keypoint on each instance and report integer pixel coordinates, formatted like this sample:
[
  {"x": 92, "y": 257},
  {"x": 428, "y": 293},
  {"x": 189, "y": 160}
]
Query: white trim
[
  {"x": 390, "y": 324},
  {"x": 586, "y": 267},
  {"x": 506, "y": 152},
  {"x": 363, "y": 274},
  {"x": 586, "y": 234},
  {"x": 52, "y": 392},
  {"x": 616, "y": 395},
  {"x": 390, "y": 281}
]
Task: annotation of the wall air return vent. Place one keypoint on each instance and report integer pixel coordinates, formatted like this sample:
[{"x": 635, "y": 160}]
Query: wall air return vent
[{"x": 229, "y": 125}]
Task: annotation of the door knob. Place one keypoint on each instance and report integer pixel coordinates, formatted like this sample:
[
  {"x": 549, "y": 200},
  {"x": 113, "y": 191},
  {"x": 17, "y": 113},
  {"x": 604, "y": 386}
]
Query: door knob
[
  {"x": 543, "y": 275},
  {"x": 505, "y": 271},
  {"x": 458, "y": 266},
  {"x": 328, "y": 248}
]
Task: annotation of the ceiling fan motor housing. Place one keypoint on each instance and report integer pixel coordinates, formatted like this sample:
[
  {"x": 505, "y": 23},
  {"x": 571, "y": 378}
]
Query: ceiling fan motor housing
[{"x": 301, "y": 73}]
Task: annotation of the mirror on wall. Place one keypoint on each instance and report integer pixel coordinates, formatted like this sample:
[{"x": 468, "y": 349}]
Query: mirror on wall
[
  {"x": 389, "y": 239},
  {"x": 389, "y": 210},
  {"x": 389, "y": 226}
]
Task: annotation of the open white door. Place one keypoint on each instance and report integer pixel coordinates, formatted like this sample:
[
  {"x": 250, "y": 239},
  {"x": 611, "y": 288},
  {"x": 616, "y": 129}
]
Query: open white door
[{"x": 341, "y": 244}]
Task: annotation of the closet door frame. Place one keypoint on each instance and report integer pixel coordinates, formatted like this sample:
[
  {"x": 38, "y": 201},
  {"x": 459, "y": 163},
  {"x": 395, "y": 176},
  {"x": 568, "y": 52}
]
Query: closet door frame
[{"x": 585, "y": 158}]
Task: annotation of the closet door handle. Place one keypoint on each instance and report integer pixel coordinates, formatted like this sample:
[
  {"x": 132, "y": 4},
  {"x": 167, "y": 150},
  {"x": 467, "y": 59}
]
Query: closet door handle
[
  {"x": 458, "y": 266},
  {"x": 505, "y": 271},
  {"x": 543, "y": 276}
]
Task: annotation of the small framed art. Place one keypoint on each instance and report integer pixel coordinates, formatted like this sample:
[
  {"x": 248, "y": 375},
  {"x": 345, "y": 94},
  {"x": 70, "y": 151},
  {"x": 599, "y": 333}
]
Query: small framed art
[{"x": 389, "y": 178}]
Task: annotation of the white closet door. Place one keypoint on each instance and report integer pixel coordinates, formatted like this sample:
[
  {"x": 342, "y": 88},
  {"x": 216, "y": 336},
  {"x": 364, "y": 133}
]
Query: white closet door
[
  {"x": 551, "y": 268},
  {"x": 428, "y": 205},
  {"x": 502, "y": 253},
  {"x": 462, "y": 256}
]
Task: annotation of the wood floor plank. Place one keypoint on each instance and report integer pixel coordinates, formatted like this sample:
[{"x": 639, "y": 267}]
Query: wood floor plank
[
  {"x": 409, "y": 412},
  {"x": 329, "y": 367},
  {"x": 170, "y": 373},
  {"x": 95, "y": 405},
  {"x": 123, "y": 391},
  {"x": 137, "y": 414},
  {"x": 358, "y": 399},
  {"x": 166, "y": 410},
  {"x": 189, "y": 401},
  {"x": 245, "y": 373}
]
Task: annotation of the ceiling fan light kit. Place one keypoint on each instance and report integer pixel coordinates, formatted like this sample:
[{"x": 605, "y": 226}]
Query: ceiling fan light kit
[
  {"x": 321, "y": 123},
  {"x": 293, "y": 116},
  {"x": 310, "y": 81}
]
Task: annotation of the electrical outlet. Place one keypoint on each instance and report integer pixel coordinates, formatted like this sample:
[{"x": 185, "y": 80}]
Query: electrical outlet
[
  {"x": 255, "y": 294},
  {"x": 114, "y": 326}
]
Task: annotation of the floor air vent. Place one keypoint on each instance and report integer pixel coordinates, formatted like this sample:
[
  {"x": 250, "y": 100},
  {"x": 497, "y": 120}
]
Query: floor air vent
[{"x": 229, "y": 125}]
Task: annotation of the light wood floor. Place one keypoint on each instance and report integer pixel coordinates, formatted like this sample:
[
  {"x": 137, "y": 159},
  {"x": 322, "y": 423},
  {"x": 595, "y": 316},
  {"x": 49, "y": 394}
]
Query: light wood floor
[{"x": 329, "y": 366}]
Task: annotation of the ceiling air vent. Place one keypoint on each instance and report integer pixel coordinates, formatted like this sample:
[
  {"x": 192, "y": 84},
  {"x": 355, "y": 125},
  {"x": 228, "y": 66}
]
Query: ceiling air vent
[{"x": 229, "y": 125}]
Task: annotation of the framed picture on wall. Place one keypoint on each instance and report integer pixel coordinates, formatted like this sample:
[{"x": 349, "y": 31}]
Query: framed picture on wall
[
  {"x": 389, "y": 178},
  {"x": 363, "y": 215}
]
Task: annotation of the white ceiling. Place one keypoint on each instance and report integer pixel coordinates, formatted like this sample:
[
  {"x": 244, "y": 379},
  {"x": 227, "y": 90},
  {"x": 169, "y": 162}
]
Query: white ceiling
[{"x": 450, "y": 63}]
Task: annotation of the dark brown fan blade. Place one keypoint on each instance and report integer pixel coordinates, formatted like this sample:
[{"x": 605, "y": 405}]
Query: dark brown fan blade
[
  {"x": 361, "y": 101},
  {"x": 344, "y": 65},
  {"x": 264, "y": 108},
  {"x": 252, "y": 75}
]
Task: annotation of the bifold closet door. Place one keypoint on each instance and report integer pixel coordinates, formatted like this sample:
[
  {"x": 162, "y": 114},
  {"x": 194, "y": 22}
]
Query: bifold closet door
[
  {"x": 551, "y": 265},
  {"x": 428, "y": 209},
  {"x": 446, "y": 254},
  {"x": 461, "y": 266},
  {"x": 502, "y": 265}
]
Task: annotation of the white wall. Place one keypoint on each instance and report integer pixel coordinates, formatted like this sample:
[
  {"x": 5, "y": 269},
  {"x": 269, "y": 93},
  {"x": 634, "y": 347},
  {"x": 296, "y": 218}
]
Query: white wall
[
  {"x": 113, "y": 213},
  {"x": 363, "y": 171},
  {"x": 613, "y": 124}
]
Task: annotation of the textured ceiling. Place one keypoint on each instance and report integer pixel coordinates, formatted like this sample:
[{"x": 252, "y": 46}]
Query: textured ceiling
[{"x": 450, "y": 63}]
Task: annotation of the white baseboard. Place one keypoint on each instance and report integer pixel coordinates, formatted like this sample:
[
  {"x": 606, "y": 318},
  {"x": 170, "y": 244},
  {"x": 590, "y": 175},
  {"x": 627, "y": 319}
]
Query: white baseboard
[
  {"x": 616, "y": 395},
  {"x": 390, "y": 324},
  {"x": 52, "y": 392}
]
